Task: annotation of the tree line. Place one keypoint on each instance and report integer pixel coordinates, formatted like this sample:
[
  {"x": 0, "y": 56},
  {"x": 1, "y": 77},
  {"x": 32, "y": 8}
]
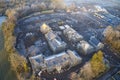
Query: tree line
[
  {"x": 112, "y": 37},
  {"x": 14, "y": 13}
]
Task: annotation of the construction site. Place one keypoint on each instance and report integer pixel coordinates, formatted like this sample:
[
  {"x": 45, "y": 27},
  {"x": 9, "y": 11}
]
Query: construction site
[{"x": 60, "y": 42}]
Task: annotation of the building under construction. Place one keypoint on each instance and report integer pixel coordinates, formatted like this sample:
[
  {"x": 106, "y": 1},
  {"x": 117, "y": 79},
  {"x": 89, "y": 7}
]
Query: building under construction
[{"x": 55, "y": 63}]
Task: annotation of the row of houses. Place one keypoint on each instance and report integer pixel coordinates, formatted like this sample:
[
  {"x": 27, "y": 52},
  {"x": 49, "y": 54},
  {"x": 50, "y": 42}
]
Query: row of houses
[
  {"x": 64, "y": 58},
  {"x": 82, "y": 46},
  {"x": 57, "y": 63},
  {"x": 57, "y": 45}
]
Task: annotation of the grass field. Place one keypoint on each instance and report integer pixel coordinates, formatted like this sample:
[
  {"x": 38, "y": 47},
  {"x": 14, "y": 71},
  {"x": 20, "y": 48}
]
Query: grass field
[{"x": 5, "y": 71}]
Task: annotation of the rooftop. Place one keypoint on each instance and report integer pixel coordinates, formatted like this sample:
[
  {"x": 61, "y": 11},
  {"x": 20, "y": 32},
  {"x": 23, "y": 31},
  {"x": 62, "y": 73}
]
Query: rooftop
[
  {"x": 94, "y": 40},
  {"x": 70, "y": 58},
  {"x": 55, "y": 42},
  {"x": 84, "y": 47},
  {"x": 72, "y": 35}
]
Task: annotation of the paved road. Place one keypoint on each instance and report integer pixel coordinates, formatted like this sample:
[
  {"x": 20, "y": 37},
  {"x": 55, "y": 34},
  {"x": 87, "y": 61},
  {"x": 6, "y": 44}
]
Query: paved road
[
  {"x": 108, "y": 74},
  {"x": 111, "y": 56}
]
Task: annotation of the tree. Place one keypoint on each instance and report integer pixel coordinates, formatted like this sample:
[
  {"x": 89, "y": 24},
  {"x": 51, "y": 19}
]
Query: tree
[
  {"x": 18, "y": 64},
  {"x": 9, "y": 39},
  {"x": 58, "y": 4},
  {"x": 43, "y": 6},
  {"x": 112, "y": 37},
  {"x": 97, "y": 63},
  {"x": 73, "y": 76},
  {"x": 109, "y": 33},
  {"x": 86, "y": 70},
  {"x": 9, "y": 44},
  {"x": 93, "y": 68},
  {"x": 12, "y": 14}
]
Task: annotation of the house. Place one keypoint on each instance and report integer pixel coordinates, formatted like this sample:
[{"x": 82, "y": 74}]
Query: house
[
  {"x": 55, "y": 42},
  {"x": 37, "y": 62},
  {"x": 96, "y": 43},
  {"x": 75, "y": 58},
  {"x": 57, "y": 63},
  {"x": 84, "y": 47},
  {"x": 71, "y": 34},
  {"x": 63, "y": 60},
  {"x": 100, "y": 9}
]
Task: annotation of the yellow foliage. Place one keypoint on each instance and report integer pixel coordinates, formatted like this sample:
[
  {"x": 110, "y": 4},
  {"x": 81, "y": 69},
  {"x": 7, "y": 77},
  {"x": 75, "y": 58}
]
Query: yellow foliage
[
  {"x": 59, "y": 4},
  {"x": 45, "y": 28},
  {"x": 12, "y": 14},
  {"x": 113, "y": 38},
  {"x": 9, "y": 39},
  {"x": 97, "y": 63},
  {"x": 18, "y": 63},
  {"x": 9, "y": 44},
  {"x": 116, "y": 45},
  {"x": 25, "y": 66}
]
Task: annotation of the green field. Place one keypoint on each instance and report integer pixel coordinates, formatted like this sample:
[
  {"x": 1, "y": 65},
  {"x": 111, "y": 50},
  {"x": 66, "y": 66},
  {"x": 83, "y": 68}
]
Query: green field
[{"x": 5, "y": 71}]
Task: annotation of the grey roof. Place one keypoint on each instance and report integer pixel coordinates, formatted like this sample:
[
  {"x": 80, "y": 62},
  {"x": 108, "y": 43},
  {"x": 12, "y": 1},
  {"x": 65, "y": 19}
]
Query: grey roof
[
  {"x": 50, "y": 35},
  {"x": 38, "y": 58},
  {"x": 55, "y": 42},
  {"x": 94, "y": 41},
  {"x": 84, "y": 47},
  {"x": 57, "y": 60},
  {"x": 52, "y": 62},
  {"x": 72, "y": 35}
]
